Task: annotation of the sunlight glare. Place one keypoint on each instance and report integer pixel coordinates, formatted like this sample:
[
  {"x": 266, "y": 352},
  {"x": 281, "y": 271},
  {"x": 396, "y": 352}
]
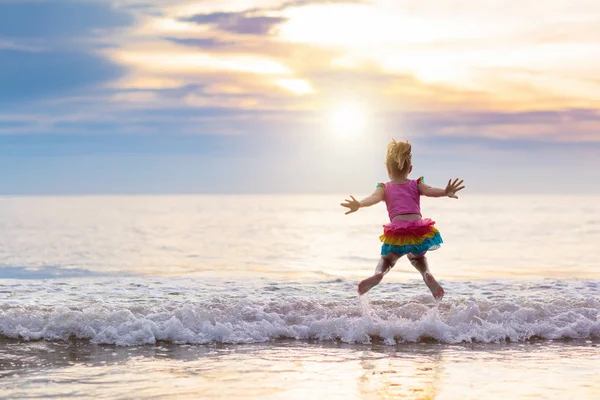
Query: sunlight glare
[{"x": 348, "y": 121}]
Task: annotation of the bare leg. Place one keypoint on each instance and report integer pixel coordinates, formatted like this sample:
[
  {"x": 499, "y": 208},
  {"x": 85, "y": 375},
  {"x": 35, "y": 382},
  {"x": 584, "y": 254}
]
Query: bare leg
[
  {"x": 420, "y": 263},
  {"x": 385, "y": 264}
]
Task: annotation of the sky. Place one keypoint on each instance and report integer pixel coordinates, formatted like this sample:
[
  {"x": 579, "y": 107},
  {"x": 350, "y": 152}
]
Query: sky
[{"x": 297, "y": 96}]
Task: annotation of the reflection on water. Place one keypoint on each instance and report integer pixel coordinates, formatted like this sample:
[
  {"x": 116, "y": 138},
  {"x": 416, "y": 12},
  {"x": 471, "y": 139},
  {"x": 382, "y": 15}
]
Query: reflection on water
[
  {"x": 301, "y": 370},
  {"x": 419, "y": 378}
]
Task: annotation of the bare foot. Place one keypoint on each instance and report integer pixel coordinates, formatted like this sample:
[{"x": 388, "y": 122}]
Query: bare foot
[
  {"x": 436, "y": 290},
  {"x": 368, "y": 283}
]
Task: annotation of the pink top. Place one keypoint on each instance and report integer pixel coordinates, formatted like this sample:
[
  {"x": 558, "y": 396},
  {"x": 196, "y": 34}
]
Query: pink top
[{"x": 402, "y": 198}]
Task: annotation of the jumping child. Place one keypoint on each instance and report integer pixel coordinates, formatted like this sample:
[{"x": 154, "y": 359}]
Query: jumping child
[{"x": 407, "y": 233}]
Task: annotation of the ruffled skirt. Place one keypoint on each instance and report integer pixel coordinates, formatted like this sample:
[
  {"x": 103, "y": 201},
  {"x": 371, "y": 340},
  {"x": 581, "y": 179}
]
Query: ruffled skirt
[{"x": 416, "y": 237}]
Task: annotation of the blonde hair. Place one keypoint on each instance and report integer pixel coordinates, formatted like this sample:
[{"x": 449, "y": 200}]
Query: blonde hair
[{"x": 398, "y": 157}]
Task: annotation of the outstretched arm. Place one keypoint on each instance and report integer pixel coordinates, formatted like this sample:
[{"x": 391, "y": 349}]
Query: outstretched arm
[
  {"x": 377, "y": 196},
  {"x": 450, "y": 190}
]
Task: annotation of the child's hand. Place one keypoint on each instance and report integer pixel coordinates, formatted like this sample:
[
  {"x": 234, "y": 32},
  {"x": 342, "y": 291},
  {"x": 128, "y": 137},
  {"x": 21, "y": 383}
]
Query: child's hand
[
  {"x": 353, "y": 205},
  {"x": 453, "y": 187}
]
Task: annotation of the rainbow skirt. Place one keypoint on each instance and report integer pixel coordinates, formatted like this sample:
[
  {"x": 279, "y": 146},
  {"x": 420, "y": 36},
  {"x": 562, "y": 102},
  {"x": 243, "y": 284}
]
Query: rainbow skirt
[{"x": 416, "y": 237}]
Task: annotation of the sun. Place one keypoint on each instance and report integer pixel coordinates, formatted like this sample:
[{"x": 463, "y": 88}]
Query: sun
[{"x": 348, "y": 120}]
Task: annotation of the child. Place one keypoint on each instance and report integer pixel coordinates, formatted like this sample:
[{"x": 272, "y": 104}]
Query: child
[{"x": 407, "y": 234}]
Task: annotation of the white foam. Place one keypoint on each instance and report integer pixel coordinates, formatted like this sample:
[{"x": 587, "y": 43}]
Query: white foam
[{"x": 225, "y": 320}]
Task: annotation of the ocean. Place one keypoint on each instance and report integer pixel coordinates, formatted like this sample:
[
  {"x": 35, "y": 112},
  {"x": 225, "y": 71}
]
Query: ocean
[{"x": 254, "y": 296}]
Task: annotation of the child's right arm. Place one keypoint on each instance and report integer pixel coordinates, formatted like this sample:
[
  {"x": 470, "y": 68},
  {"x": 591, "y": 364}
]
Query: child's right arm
[
  {"x": 377, "y": 196},
  {"x": 450, "y": 191}
]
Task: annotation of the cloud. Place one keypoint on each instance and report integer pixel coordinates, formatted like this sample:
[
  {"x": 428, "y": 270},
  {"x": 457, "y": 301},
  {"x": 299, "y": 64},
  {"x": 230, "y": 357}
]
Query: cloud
[
  {"x": 303, "y": 3},
  {"x": 7, "y": 125},
  {"x": 12, "y": 45},
  {"x": 58, "y": 19},
  {"x": 257, "y": 20},
  {"x": 407, "y": 58},
  {"x": 204, "y": 43},
  {"x": 26, "y": 76},
  {"x": 576, "y": 125},
  {"x": 49, "y": 48},
  {"x": 238, "y": 22}
]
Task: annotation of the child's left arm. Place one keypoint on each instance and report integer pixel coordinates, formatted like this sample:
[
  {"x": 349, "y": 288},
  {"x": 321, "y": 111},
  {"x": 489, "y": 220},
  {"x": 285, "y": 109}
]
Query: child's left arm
[
  {"x": 377, "y": 196},
  {"x": 450, "y": 191}
]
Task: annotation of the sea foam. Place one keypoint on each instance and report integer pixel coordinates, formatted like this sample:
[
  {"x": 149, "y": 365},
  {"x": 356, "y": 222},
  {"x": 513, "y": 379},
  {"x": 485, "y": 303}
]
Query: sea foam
[{"x": 252, "y": 319}]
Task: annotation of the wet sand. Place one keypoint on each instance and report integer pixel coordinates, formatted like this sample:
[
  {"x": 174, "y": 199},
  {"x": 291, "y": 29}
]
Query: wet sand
[{"x": 288, "y": 369}]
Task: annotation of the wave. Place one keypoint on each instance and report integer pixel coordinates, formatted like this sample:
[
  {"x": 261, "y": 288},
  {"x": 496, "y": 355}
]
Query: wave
[{"x": 233, "y": 321}]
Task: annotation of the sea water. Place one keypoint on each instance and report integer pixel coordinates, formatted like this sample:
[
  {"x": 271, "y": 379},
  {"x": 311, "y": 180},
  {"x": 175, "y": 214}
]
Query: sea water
[{"x": 101, "y": 295}]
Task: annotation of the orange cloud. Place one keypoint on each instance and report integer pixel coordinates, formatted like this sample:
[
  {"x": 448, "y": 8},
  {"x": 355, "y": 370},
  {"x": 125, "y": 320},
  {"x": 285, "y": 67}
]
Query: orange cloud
[{"x": 401, "y": 56}]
